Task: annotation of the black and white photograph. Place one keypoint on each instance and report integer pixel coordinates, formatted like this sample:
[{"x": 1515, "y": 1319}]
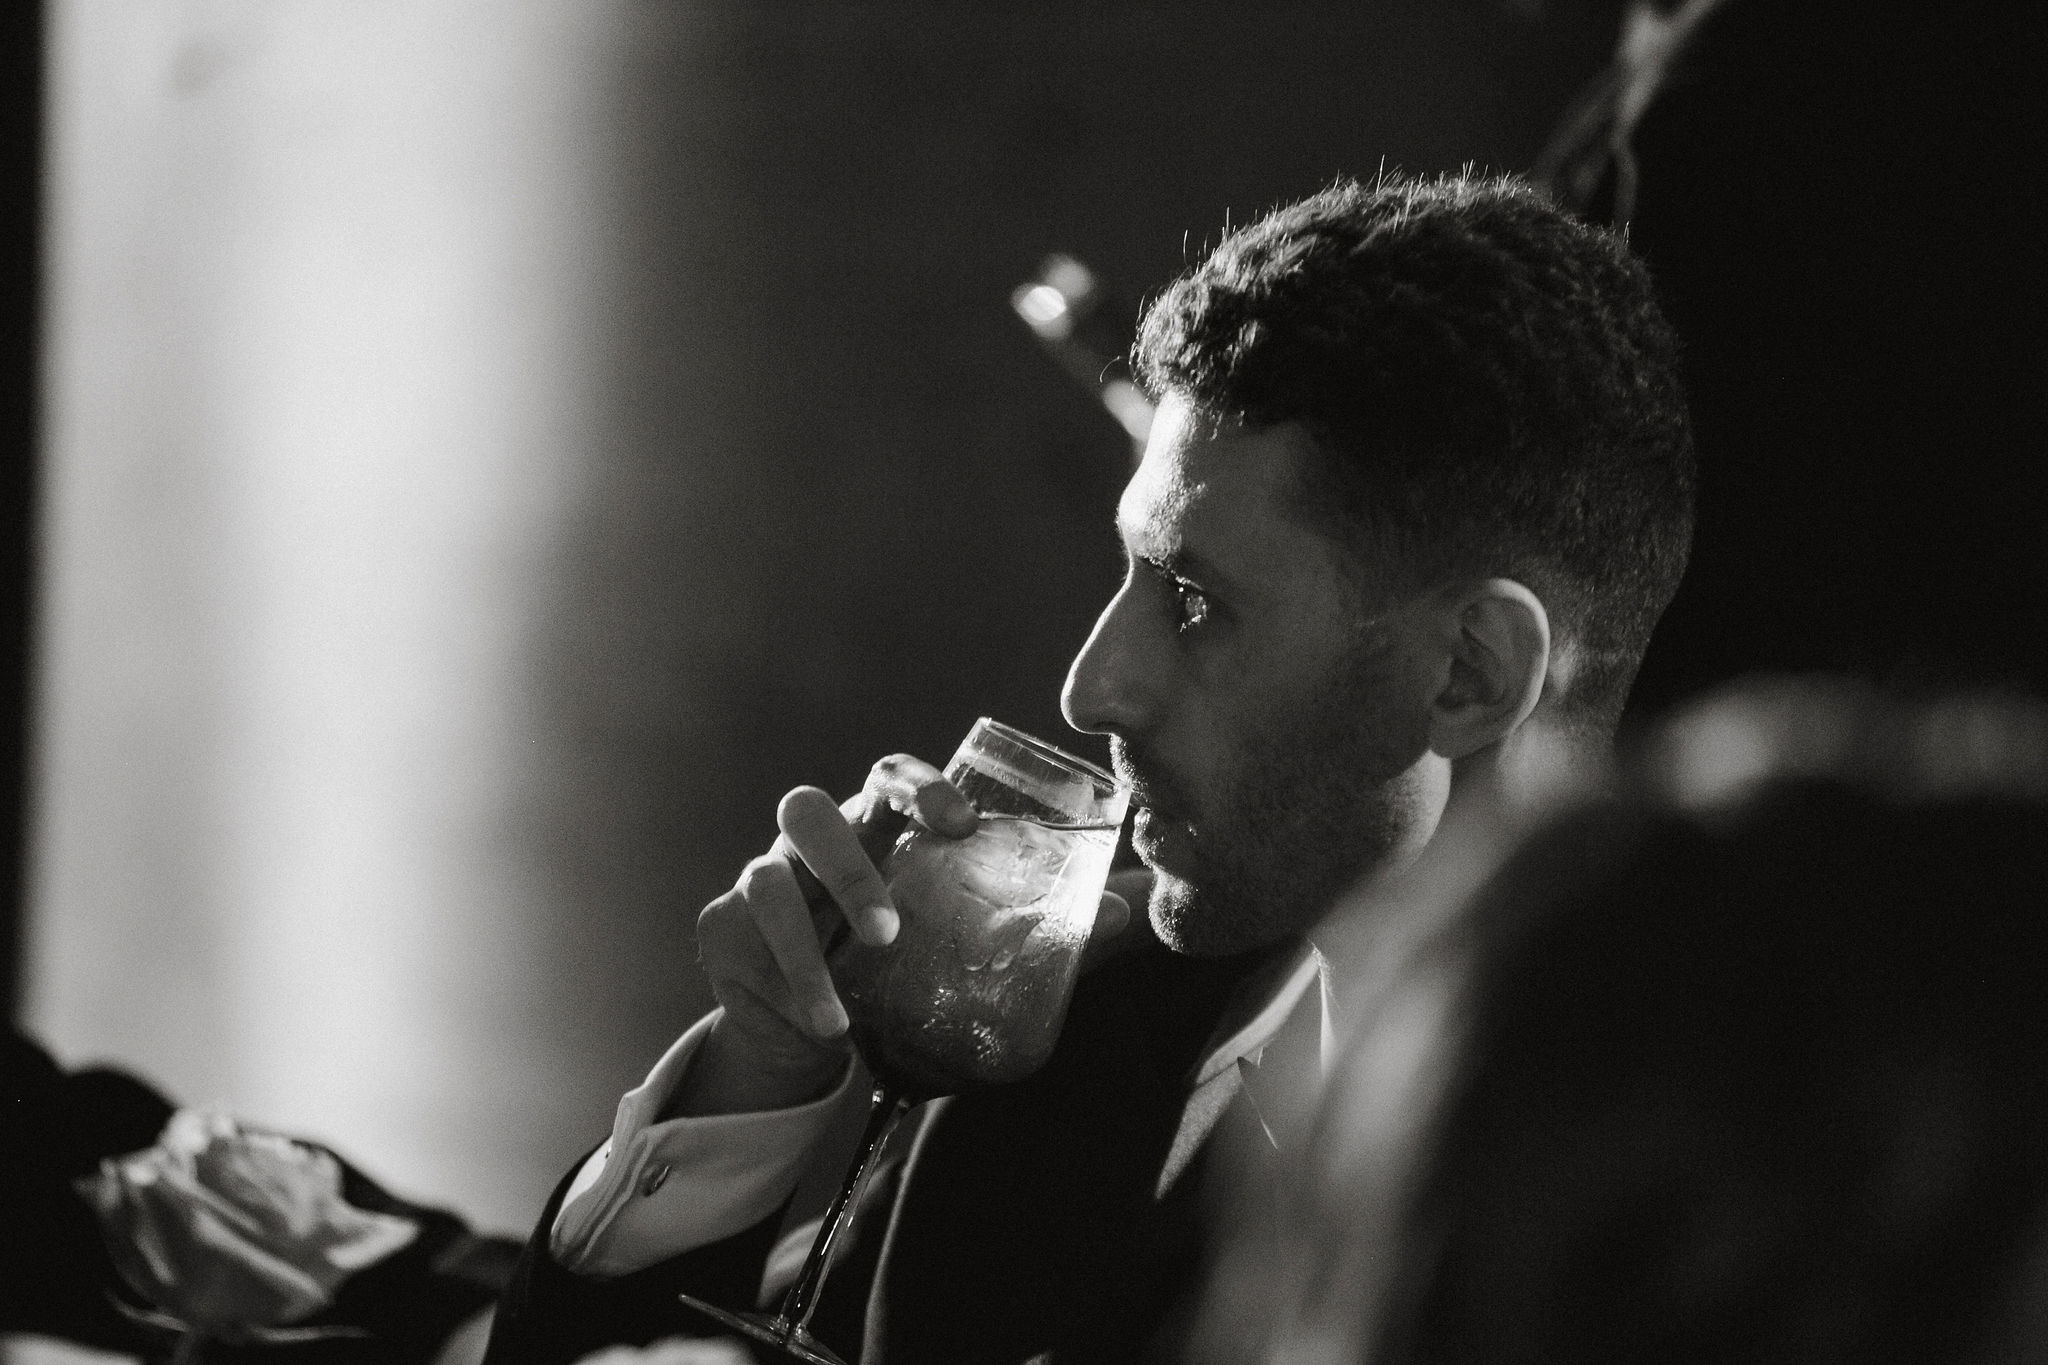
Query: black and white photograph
[{"x": 883, "y": 682}]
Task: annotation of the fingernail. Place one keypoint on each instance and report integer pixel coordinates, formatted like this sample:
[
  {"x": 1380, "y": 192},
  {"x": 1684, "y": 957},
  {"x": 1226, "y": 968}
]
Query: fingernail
[
  {"x": 882, "y": 924},
  {"x": 828, "y": 1019}
]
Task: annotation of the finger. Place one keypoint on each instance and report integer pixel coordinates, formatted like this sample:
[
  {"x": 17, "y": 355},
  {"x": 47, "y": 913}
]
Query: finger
[
  {"x": 748, "y": 982},
  {"x": 819, "y": 835},
  {"x": 776, "y": 905},
  {"x": 1112, "y": 917},
  {"x": 831, "y": 926},
  {"x": 910, "y": 786}
]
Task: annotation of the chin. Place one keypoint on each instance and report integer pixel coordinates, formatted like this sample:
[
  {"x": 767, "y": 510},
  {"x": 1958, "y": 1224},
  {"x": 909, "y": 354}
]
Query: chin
[{"x": 1198, "y": 925}]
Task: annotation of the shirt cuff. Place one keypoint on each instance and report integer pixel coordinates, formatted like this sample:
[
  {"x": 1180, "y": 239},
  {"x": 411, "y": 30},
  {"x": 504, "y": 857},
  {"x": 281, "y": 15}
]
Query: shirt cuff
[{"x": 657, "y": 1190}]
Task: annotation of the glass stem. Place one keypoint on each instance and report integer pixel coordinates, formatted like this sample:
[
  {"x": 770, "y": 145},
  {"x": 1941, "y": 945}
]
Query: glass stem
[{"x": 885, "y": 1107}]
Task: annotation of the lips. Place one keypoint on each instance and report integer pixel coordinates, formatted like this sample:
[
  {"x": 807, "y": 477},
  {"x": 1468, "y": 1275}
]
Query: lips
[
  {"x": 1148, "y": 792},
  {"x": 1160, "y": 839},
  {"x": 1161, "y": 836}
]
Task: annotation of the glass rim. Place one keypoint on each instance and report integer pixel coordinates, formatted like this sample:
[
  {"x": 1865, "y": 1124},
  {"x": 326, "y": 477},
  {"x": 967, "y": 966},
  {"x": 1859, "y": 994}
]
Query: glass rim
[{"x": 1033, "y": 744}]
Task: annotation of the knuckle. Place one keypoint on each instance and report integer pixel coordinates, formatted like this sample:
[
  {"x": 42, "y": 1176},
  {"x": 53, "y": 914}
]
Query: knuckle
[
  {"x": 726, "y": 939},
  {"x": 765, "y": 875},
  {"x": 713, "y": 956},
  {"x": 716, "y": 918}
]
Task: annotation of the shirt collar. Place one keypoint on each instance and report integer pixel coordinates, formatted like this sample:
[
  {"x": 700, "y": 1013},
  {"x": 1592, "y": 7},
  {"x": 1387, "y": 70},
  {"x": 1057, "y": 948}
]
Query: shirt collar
[{"x": 1256, "y": 1011}]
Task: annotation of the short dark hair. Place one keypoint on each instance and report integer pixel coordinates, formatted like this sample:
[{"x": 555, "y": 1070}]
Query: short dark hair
[{"x": 1490, "y": 382}]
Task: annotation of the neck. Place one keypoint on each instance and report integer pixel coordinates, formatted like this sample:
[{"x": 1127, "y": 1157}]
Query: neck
[
  {"x": 1537, "y": 768},
  {"x": 1492, "y": 798}
]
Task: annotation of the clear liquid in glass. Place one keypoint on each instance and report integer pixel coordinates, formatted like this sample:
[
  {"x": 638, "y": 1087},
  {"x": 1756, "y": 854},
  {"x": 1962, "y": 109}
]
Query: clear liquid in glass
[{"x": 974, "y": 990}]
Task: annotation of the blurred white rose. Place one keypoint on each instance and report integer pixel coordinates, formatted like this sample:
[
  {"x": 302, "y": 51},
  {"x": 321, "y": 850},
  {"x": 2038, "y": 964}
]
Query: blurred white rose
[{"x": 232, "y": 1231}]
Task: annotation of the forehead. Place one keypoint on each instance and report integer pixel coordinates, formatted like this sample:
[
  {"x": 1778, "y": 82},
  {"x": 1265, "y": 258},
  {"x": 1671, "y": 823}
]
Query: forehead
[{"x": 1222, "y": 500}]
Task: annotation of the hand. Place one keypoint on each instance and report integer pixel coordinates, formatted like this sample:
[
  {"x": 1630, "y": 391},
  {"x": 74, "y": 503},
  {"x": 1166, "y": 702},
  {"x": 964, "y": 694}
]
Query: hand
[
  {"x": 674, "y": 1351},
  {"x": 782, "y": 1038}
]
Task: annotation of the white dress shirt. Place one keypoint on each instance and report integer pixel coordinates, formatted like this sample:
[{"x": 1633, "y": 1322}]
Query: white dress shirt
[{"x": 658, "y": 1189}]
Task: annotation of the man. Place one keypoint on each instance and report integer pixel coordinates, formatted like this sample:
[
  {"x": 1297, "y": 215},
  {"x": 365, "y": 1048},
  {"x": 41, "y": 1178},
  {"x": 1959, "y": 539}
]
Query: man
[{"x": 1419, "y": 486}]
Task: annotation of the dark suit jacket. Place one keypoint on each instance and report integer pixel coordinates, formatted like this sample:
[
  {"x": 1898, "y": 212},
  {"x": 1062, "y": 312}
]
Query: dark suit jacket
[
  {"x": 1027, "y": 1221},
  {"x": 56, "y": 1278}
]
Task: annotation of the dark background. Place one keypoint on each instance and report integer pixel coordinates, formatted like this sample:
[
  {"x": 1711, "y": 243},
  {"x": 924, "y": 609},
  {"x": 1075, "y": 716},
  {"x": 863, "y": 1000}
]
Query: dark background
[
  {"x": 1844, "y": 207},
  {"x": 21, "y": 96}
]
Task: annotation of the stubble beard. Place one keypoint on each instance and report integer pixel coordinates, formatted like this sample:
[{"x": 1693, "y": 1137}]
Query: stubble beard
[{"x": 1307, "y": 807}]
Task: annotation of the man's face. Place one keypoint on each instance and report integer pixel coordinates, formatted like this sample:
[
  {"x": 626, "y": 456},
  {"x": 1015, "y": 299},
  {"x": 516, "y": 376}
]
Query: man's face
[{"x": 1267, "y": 713}]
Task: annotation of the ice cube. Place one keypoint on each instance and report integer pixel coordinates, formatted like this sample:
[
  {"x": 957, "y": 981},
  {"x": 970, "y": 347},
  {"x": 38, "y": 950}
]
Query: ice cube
[
  {"x": 1008, "y": 937},
  {"x": 1011, "y": 862}
]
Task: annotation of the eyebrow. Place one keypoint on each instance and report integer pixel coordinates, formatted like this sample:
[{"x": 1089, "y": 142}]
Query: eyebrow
[
  {"x": 1179, "y": 562},
  {"x": 1183, "y": 564}
]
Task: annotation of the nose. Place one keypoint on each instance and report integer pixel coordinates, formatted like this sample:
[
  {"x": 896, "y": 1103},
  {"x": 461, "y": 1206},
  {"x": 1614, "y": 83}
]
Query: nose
[{"x": 1110, "y": 687}]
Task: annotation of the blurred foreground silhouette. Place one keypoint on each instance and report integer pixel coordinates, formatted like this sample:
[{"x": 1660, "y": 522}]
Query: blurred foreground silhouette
[{"x": 1747, "y": 1063}]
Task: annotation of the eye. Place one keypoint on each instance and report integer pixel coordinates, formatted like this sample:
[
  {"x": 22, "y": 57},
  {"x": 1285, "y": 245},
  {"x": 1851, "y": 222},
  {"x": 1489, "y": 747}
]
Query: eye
[{"x": 1192, "y": 607}]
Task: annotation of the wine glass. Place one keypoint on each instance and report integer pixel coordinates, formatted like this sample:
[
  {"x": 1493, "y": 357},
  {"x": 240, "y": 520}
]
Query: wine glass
[{"x": 974, "y": 988}]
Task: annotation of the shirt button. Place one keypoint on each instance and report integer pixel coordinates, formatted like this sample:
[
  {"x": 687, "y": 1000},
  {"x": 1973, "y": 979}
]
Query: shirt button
[{"x": 654, "y": 1179}]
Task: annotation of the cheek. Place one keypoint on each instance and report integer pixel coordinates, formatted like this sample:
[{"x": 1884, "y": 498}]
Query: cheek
[
  {"x": 1387, "y": 688},
  {"x": 1354, "y": 727},
  {"x": 1396, "y": 730},
  {"x": 1210, "y": 747}
]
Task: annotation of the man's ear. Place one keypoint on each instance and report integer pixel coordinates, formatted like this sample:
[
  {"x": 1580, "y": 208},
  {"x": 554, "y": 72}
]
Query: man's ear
[{"x": 1496, "y": 654}]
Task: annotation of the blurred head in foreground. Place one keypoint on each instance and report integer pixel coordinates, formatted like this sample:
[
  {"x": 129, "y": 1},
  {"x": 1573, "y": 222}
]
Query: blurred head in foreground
[{"x": 1748, "y": 1064}]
